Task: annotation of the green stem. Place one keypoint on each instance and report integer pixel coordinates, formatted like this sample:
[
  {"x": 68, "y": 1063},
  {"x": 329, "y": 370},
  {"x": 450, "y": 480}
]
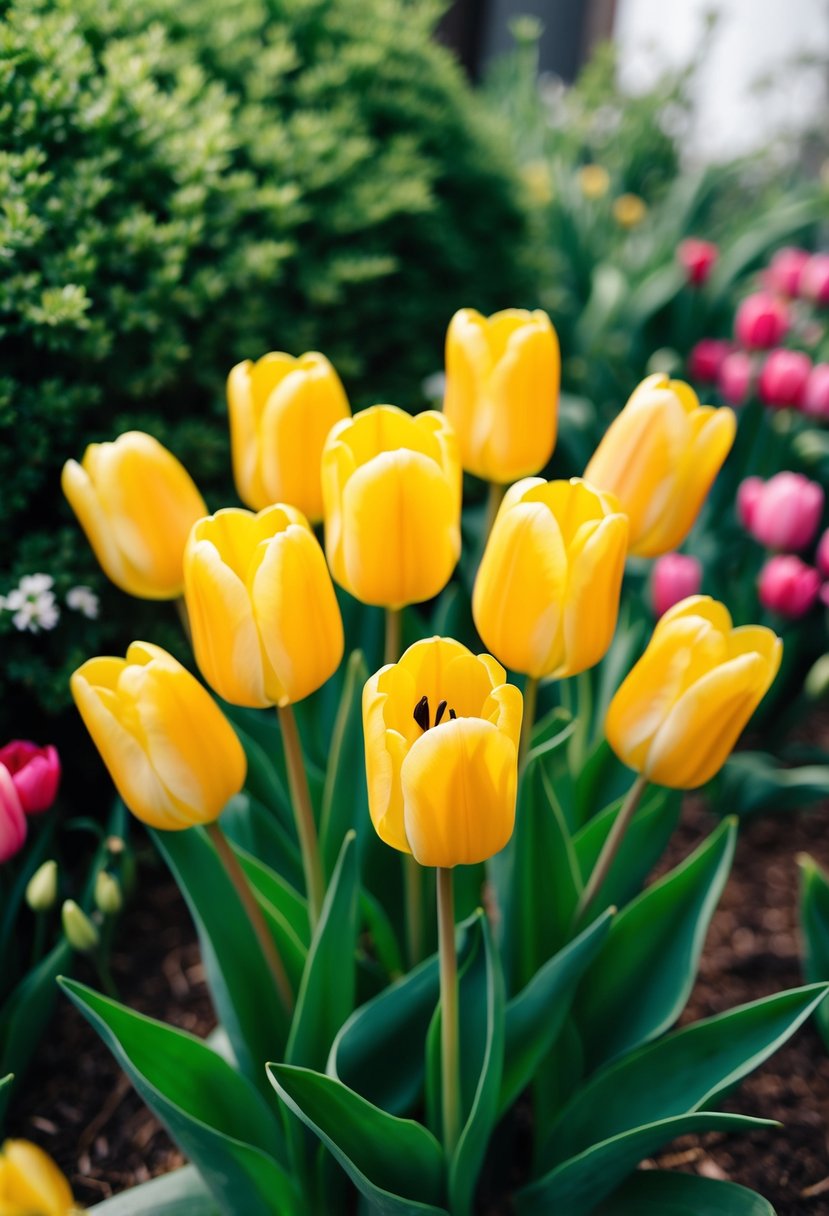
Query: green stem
[
  {"x": 494, "y": 499},
  {"x": 394, "y": 622},
  {"x": 254, "y": 914},
  {"x": 303, "y": 813},
  {"x": 413, "y": 884},
  {"x": 101, "y": 962},
  {"x": 528, "y": 719},
  {"x": 580, "y": 738},
  {"x": 450, "y": 1060},
  {"x": 611, "y": 845}
]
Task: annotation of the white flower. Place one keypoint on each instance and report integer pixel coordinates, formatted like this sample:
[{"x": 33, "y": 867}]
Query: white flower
[
  {"x": 32, "y": 603},
  {"x": 83, "y": 599},
  {"x": 35, "y": 584}
]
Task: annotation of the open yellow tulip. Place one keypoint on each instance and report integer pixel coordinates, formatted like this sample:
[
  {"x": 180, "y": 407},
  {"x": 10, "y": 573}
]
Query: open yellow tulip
[
  {"x": 678, "y": 714},
  {"x": 171, "y": 752},
  {"x": 546, "y": 596},
  {"x": 31, "y": 1184},
  {"x": 281, "y": 410},
  {"x": 266, "y": 624},
  {"x": 441, "y": 734},
  {"x": 392, "y": 490},
  {"x": 660, "y": 456},
  {"x": 502, "y": 385},
  {"x": 136, "y": 503}
]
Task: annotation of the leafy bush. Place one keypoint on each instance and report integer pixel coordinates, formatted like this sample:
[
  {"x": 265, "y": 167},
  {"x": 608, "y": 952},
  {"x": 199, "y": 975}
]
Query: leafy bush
[{"x": 184, "y": 188}]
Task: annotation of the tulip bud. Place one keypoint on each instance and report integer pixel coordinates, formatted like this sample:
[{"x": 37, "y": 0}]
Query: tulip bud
[
  {"x": 171, "y": 752},
  {"x": 814, "y": 284},
  {"x": 785, "y": 272},
  {"x": 675, "y": 577},
  {"x": 816, "y": 396},
  {"x": 42, "y": 887},
  {"x": 697, "y": 259},
  {"x": 678, "y": 714},
  {"x": 266, "y": 624},
  {"x": 734, "y": 378},
  {"x": 281, "y": 410},
  {"x": 629, "y": 210},
  {"x": 546, "y": 596},
  {"x": 782, "y": 513},
  {"x": 81, "y": 933},
  {"x": 31, "y": 1184},
  {"x": 136, "y": 503},
  {"x": 13, "y": 826},
  {"x": 811, "y": 446},
  {"x": 822, "y": 556},
  {"x": 783, "y": 378},
  {"x": 594, "y": 181},
  {"x": 441, "y": 731},
  {"x": 108, "y": 898},
  {"x": 788, "y": 586},
  {"x": 761, "y": 322},
  {"x": 659, "y": 457},
  {"x": 392, "y": 490},
  {"x": 502, "y": 386},
  {"x": 816, "y": 684},
  {"x": 706, "y": 359},
  {"x": 35, "y": 772}
]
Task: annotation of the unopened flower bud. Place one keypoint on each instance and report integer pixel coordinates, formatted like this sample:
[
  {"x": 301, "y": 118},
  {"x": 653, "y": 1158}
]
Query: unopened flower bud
[
  {"x": 108, "y": 898},
  {"x": 81, "y": 933},
  {"x": 42, "y": 887},
  {"x": 816, "y": 684}
]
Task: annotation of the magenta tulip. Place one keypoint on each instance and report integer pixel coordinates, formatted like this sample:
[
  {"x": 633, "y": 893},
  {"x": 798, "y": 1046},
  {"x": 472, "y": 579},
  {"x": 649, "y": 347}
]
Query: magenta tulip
[
  {"x": 788, "y": 586},
  {"x": 816, "y": 396},
  {"x": 822, "y": 555},
  {"x": 761, "y": 322},
  {"x": 706, "y": 359},
  {"x": 734, "y": 379},
  {"x": 35, "y": 772},
  {"x": 785, "y": 272},
  {"x": 784, "y": 513},
  {"x": 675, "y": 577},
  {"x": 697, "y": 259},
  {"x": 12, "y": 817},
  {"x": 783, "y": 378},
  {"x": 815, "y": 282}
]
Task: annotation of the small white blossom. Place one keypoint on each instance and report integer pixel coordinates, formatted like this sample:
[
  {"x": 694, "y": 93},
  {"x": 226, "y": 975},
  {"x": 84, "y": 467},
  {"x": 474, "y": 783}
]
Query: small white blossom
[
  {"x": 36, "y": 584},
  {"x": 32, "y": 604},
  {"x": 84, "y": 600}
]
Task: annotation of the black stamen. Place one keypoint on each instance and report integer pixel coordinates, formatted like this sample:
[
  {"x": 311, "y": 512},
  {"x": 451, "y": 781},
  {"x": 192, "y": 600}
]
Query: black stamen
[
  {"x": 452, "y": 714},
  {"x": 441, "y": 711},
  {"x": 421, "y": 713}
]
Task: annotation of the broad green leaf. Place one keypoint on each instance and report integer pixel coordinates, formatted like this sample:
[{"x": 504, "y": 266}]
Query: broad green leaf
[
  {"x": 179, "y": 1193},
  {"x": 271, "y": 888},
  {"x": 751, "y": 782},
  {"x": 683, "y": 1072},
  {"x": 381, "y": 932},
  {"x": 250, "y": 825},
  {"x": 396, "y": 1163},
  {"x": 326, "y": 997},
  {"x": 814, "y": 923},
  {"x": 638, "y": 985},
  {"x": 212, "y": 1112},
  {"x": 536, "y": 1015},
  {"x": 658, "y": 1193},
  {"x": 345, "y": 797},
  {"x": 263, "y": 780},
  {"x": 246, "y": 999},
  {"x": 577, "y": 1186}
]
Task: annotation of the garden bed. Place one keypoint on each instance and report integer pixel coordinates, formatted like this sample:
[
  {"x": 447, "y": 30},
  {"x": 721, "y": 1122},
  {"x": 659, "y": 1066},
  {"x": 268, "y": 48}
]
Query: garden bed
[{"x": 79, "y": 1107}]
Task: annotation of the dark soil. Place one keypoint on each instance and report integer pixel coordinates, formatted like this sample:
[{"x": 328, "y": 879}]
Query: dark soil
[{"x": 80, "y": 1108}]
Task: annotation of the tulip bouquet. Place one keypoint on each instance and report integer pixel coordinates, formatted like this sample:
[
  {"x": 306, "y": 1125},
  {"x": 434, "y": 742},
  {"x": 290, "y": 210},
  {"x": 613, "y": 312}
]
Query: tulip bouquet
[{"x": 419, "y": 877}]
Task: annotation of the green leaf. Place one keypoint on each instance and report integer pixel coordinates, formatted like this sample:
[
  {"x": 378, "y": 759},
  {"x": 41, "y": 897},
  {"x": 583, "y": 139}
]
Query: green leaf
[
  {"x": 658, "y": 1193},
  {"x": 26, "y": 1012},
  {"x": 751, "y": 782},
  {"x": 638, "y": 985},
  {"x": 212, "y": 1112},
  {"x": 179, "y": 1193},
  {"x": 683, "y": 1072},
  {"x": 536, "y": 1015},
  {"x": 814, "y": 923},
  {"x": 326, "y": 996},
  {"x": 577, "y": 1186},
  {"x": 5, "y": 1093},
  {"x": 246, "y": 998},
  {"x": 345, "y": 796},
  {"x": 287, "y": 903},
  {"x": 396, "y": 1163}
]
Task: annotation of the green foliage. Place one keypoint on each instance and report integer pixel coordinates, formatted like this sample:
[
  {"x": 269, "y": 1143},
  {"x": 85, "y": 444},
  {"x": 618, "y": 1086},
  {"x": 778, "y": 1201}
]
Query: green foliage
[{"x": 184, "y": 189}]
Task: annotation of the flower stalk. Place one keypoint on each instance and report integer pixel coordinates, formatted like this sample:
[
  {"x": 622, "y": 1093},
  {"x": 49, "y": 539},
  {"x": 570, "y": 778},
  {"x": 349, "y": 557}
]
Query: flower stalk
[
  {"x": 303, "y": 813},
  {"x": 450, "y": 1061},
  {"x": 612, "y": 845}
]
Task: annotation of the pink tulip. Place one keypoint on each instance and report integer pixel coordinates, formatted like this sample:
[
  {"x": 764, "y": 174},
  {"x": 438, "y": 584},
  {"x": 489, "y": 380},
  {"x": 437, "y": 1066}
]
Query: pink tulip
[
  {"x": 816, "y": 396},
  {"x": 35, "y": 772},
  {"x": 784, "y": 377},
  {"x": 788, "y": 586},
  {"x": 12, "y": 817},
  {"x": 785, "y": 272},
  {"x": 748, "y": 496},
  {"x": 785, "y": 512},
  {"x": 761, "y": 322},
  {"x": 815, "y": 282},
  {"x": 675, "y": 577},
  {"x": 822, "y": 555},
  {"x": 697, "y": 258},
  {"x": 734, "y": 380},
  {"x": 706, "y": 359}
]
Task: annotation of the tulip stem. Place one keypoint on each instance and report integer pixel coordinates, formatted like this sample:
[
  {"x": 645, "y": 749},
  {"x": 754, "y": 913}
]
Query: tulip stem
[
  {"x": 611, "y": 845},
  {"x": 394, "y": 622},
  {"x": 413, "y": 884},
  {"x": 528, "y": 719},
  {"x": 494, "y": 499},
  {"x": 253, "y": 912},
  {"x": 303, "y": 813},
  {"x": 450, "y": 1061}
]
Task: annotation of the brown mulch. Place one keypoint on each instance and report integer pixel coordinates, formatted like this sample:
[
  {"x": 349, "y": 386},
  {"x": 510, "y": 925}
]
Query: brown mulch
[{"x": 77, "y": 1105}]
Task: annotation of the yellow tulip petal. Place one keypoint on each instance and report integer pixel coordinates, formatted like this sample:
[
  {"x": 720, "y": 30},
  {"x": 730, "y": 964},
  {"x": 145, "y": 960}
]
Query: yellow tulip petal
[
  {"x": 468, "y": 365},
  {"x": 524, "y": 389},
  {"x": 703, "y": 606},
  {"x": 385, "y": 751},
  {"x": 32, "y": 1183},
  {"x": 84, "y": 501},
  {"x": 244, "y": 443},
  {"x": 596, "y": 567}
]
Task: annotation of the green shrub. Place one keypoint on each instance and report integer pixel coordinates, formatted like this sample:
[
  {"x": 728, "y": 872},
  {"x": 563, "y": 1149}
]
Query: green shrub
[{"x": 184, "y": 185}]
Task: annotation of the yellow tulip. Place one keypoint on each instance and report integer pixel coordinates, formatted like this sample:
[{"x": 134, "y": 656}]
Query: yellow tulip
[
  {"x": 660, "y": 456},
  {"x": 281, "y": 410},
  {"x": 392, "y": 490},
  {"x": 441, "y": 733},
  {"x": 171, "y": 752},
  {"x": 136, "y": 503},
  {"x": 502, "y": 383},
  {"x": 594, "y": 181},
  {"x": 30, "y": 1182},
  {"x": 546, "y": 596},
  {"x": 681, "y": 709},
  {"x": 266, "y": 624},
  {"x": 629, "y": 210}
]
